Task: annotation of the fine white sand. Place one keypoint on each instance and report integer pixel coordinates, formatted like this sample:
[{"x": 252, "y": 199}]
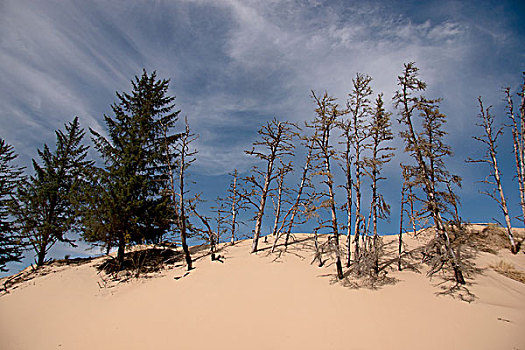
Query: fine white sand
[{"x": 263, "y": 301}]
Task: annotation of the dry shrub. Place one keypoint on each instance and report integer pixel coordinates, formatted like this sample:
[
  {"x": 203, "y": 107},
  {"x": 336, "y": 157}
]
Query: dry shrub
[
  {"x": 508, "y": 270},
  {"x": 491, "y": 239},
  {"x": 141, "y": 261}
]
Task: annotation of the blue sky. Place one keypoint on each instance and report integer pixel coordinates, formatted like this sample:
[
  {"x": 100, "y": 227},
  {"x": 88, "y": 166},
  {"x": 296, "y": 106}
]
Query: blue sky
[{"x": 236, "y": 64}]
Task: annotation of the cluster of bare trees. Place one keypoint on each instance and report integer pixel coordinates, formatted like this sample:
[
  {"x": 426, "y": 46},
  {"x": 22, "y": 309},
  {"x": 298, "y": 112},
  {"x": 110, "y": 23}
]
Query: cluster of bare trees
[
  {"x": 489, "y": 139},
  {"x": 356, "y": 138}
]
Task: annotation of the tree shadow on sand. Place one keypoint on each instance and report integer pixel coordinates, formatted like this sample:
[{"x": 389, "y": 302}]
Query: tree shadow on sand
[{"x": 411, "y": 260}]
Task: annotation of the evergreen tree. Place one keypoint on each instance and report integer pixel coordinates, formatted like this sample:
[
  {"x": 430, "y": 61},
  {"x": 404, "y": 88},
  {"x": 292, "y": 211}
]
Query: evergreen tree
[
  {"x": 45, "y": 203},
  {"x": 135, "y": 206},
  {"x": 10, "y": 244}
]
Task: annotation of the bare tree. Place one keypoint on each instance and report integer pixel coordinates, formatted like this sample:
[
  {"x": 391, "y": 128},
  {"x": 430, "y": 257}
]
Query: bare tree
[
  {"x": 404, "y": 201},
  {"x": 280, "y": 197},
  {"x": 358, "y": 107},
  {"x": 177, "y": 168},
  {"x": 518, "y": 137},
  {"x": 290, "y": 217},
  {"x": 407, "y": 103},
  {"x": 325, "y": 121},
  {"x": 380, "y": 132},
  {"x": 276, "y": 143},
  {"x": 206, "y": 233},
  {"x": 347, "y": 158},
  {"x": 489, "y": 138},
  {"x": 234, "y": 200}
]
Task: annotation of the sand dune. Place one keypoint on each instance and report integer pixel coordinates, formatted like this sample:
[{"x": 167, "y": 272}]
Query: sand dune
[{"x": 263, "y": 301}]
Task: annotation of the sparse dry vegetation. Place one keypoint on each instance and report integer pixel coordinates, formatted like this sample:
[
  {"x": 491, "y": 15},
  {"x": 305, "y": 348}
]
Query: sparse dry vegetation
[{"x": 509, "y": 270}]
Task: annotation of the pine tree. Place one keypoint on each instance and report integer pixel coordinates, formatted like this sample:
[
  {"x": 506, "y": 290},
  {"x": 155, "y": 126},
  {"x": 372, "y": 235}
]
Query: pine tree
[
  {"x": 11, "y": 245},
  {"x": 136, "y": 207},
  {"x": 45, "y": 203}
]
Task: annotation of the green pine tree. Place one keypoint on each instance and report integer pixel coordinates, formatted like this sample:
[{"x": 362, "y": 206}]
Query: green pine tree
[
  {"x": 45, "y": 203},
  {"x": 132, "y": 204},
  {"x": 10, "y": 244}
]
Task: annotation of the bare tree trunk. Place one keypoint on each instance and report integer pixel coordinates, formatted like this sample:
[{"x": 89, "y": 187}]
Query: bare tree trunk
[
  {"x": 335, "y": 229},
  {"x": 262, "y": 204},
  {"x": 317, "y": 251},
  {"x": 182, "y": 216},
  {"x": 517, "y": 135},
  {"x": 412, "y": 216},
  {"x": 295, "y": 207},
  {"x": 400, "y": 243},
  {"x": 513, "y": 244},
  {"x": 429, "y": 189},
  {"x": 279, "y": 199},
  {"x": 374, "y": 218},
  {"x": 349, "y": 195},
  {"x": 234, "y": 209},
  {"x": 489, "y": 139},
  {"x": 357, "y": 226}
]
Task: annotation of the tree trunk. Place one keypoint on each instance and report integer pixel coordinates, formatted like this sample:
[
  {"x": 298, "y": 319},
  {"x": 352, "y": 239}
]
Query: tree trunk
[
  {"x": 513, "y": 243},
  {"x": 41, "y": 257},
  {"x": 374, "y": 217},
  {"x": 335, "y": 229},
  {"x": 400, "y": 243},
  {"x": 234, "y": 209},
  {"x": 260, "y": 213},
  {"x": 121, "y": 251},
  {"x": 357, "y": 227},
  {"x": 431, "y": 200},
  {"x": 517, "y": 136}
]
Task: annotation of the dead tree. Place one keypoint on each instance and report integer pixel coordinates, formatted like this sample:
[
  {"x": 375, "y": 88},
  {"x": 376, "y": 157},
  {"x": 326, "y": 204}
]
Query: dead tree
[
  {"x": 280, "y": 197},
  {"x": 407, "y": 102},
  {"x": 358, "y": 108},
  {"x": 325, "y": 121},
  {"x": 404, "y": 201},
  {"x": 276, "y": 143},
  {"x": 183, "y": 158},
  {"x": 380, "y": 132},
  {"x": 489, "y": 139},
  {"x": 206, "y": 233},
  {"x": 234, "y": 201},
  {"x": 347, "y": 158},
  {"x": 186, "y": 156},
  {"x": 289, "y": 218},
  {"x": 518, "y": 137}
]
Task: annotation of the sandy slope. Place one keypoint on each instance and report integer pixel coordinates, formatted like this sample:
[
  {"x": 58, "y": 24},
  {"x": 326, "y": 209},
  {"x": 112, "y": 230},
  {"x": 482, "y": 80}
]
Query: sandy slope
[{"x": 261, "y": 302}]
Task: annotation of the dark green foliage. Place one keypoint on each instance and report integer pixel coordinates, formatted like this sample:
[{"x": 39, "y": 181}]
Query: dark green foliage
[
  {"x": 10, "y": 244},
  {"x": 130, "y": 202},
  {"x": 45, "y": 204}
]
